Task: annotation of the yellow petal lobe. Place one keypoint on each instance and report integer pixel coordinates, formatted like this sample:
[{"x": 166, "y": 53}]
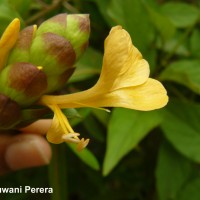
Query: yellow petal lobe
[
  {"x": 8, "y": 40},
  {"x": 149, "y": 96},
  {"x": 61, "y": 131},
  {"x": 123, "y": 64}
]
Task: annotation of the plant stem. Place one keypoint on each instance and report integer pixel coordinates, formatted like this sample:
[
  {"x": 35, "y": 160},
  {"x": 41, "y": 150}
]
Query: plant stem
[
  {"x": 43, "y": 12},
  {"x": 58, "y": 173}
]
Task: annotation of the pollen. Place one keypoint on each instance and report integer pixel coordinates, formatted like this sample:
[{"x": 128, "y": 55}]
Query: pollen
[{"x": 40, "y": 67}]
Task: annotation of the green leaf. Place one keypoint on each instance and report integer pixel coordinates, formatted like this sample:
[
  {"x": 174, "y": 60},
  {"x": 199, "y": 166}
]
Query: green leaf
[
  {"x": 101, "y": 115},
  {"x": 185, "y": 72},
  {"x": 83, "y": 113},
  {"x": 102, "y": 4},
  {"x": 170, "y": 45},
  {"x": 86, "y": 156},
  {"x": 181, "y": 14},
  {"x": 93, "y": 128},
  {"x": 126, "y": 129},
  {"x": 194, "y": 43},
  {"x": 182, "y": 128},
  {"x": 88, "y": 66},
  {"x": 22, "y": 6},
  {"x": 133, "y": 17},
  {"x": 162, "y": 23},
  {"x": 191, "y": 190},
  {"x": 172, "y": 172},
  {"x": 7, "y": 14},
  {"x": 71, "y": 113}
]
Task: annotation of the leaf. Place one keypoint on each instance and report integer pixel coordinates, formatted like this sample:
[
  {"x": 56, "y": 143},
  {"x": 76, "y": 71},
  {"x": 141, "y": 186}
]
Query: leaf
[
  {"x": 172, "y": 172},
  {"x": 71, "y": 113},
  {"x": 182, "y": 128},
  {"x": 83, "y": 113},
  {"x": 102, "y": 4},
  {"x": 171, "y": 44},
  {"x": 86, "y": 156},
  {"x": 185, "y": 72},
  {"x": 191, "y": 190},
  {"x": 7, "y": 14},
  {"x": 194, "y": 43},
  {"x": 88, "y": 66},
  {"x": 101, "y": 115},
  {"x": 119, "y": 10},
  {"x": 93, "y": 128},
  {"x": 181, "y": 15},
  {"x": 126, "y": 129},
  {"x": 22, "y": 6},
  {"x": 161, "y": 22},
  {"x": 126, "y": 13}
]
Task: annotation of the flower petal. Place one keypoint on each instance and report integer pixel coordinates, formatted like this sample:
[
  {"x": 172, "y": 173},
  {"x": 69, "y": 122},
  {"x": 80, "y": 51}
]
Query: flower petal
[
  {"x": 148, "y": 96},
  {"x": 123, "y": 65},
  {"x": 8, "y": 40},
  {"x": 57, "y": 128},
  {"x": 55, "y": 132}
]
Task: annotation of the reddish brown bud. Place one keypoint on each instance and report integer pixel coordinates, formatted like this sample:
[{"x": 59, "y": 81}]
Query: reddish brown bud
[
  {"x": 27, "y": 78},
  {"x": 23, "y": 82},
  {"x": 22, "y": 48},
  {"x": 60, "y": 48},
  {"x": 9, "y": 112}
]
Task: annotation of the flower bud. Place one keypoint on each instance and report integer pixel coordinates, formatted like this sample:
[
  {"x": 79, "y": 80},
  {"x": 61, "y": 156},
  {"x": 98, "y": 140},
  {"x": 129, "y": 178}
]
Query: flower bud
[
  {"x": 53, "y": 52},
  {"x": 75, "y": 28},
  {"x": 21, "y": 51},
  {"x": 10, "y": 112},
  {"x": 60, "y": 40},
  {"x": 23, "y": 82},
  {"x": 56, "y": 46},
  {"x": 53, "y": 84}
]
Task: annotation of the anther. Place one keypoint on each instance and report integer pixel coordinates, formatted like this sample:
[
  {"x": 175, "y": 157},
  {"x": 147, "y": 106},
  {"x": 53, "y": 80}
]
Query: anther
[{"x": 82, "y": 144}]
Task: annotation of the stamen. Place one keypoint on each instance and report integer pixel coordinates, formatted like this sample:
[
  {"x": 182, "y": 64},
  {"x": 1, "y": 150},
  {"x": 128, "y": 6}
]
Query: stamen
[
  {"x": 34, "y": 29},
  {"x": 68, "y": 133},
  {"x": 82, "y": 144},
  {"x": 40, "y": 67}
]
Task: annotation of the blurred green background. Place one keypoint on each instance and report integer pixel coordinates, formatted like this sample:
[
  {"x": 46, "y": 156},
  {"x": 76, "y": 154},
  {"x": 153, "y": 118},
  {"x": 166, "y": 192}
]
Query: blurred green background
[{"x": 132, "y": 155}]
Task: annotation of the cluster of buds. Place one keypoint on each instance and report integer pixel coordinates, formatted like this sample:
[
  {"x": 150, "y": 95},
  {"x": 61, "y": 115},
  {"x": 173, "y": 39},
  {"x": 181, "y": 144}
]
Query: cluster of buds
[{"x": 39, "y": 61}]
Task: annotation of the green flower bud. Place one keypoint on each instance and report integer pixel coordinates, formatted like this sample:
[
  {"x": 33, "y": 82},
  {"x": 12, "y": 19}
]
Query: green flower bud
[
  {"x": 21, "y": 51},
  {"x": 10, "y": 112},
  {"x": 23, "y": 83},
  {"x": 53, "y": 52},
  {"x": 53, "y": 84},
  {"x": 56, "y": 46},
  {"x": 73, "y": 27}
]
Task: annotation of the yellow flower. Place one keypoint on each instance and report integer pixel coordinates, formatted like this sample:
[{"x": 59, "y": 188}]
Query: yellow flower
[
  {"x": 8, "y": 40},
  {"x": 124, "y": 82}
]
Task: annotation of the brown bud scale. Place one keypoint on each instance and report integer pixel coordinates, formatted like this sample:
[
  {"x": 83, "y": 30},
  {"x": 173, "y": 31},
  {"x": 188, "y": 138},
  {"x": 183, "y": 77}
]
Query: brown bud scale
[
  {"x": 9, "y": 112},
  {"x": 61, "y": 48},
  {"x": 25, "y": 38},
  {"x": 27, "y": 78},
  {"x": 61, "y": 19}
]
